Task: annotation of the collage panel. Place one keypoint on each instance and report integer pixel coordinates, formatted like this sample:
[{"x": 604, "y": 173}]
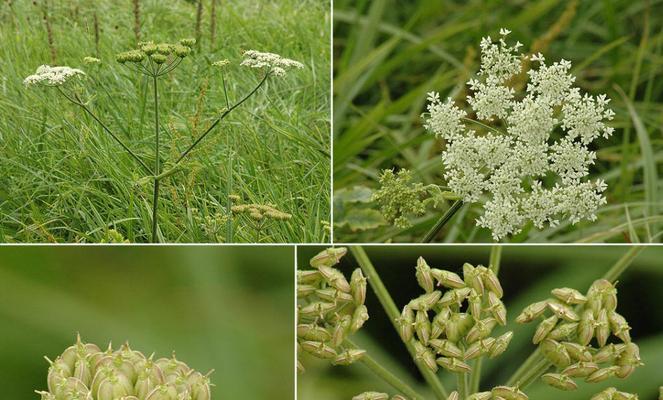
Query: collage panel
[
  {"x": 158, "y": 323},
  {"x": 480, "y": 121},
  {"x": 389, "y": 322},
  {"x": 173, "y": 121}
]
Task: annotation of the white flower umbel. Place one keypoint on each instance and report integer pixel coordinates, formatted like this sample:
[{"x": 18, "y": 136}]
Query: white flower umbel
[
  {"x": 52, "y": 76},
  {"x": 526, "y": 154},
  {"x": 276, "y": 64}
]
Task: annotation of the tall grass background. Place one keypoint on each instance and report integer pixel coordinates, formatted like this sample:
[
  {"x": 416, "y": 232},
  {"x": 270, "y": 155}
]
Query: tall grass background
[
  {"x": 388, "y": 55},
  {"x": 527, "y": 274},
  {"x": 222, "y": 308},
  {"x": 62, "y": 179}
]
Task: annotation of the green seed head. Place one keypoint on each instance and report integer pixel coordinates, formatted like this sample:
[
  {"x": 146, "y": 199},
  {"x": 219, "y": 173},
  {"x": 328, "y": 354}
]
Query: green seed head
[
  {"x": 148, "y": 48},
  {"x": 159, "y": 58},
  {"x": 181, "y": 51},
  {"x": 188, "y": 42}
]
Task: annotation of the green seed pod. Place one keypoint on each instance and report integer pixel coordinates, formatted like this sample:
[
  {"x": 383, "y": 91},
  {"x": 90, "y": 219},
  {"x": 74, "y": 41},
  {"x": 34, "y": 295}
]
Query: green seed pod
[
  {"x": 181, "y": 51},
  {"x": 349, "y": 356},
  {"x": 334, "y": 295},
  {"x": 328, "y": 257},
  {"x": 602, "y": 374},
  {"x": 624, "y": 396},
  {"x": 453, "y": 365},
  {"x": 359, "y": 317},
  {"x": 608, "y": 353},
  {"x": 426, "y": 301},
  {"x": 453, "y": 396},
  {"x": 424, "y": 275},
  {"x": 162, "y": 392},
  {"x": 509, "y": 393},
  {"x": 500, "y": 345},
  {"x": 454, "y": 297},
  {"x": 481, "y": 329},
  {"x": 472, "y": 277},
  {"x": 145, "y": 385},
  {"x": 57, "y": 372},
  {"x": 77, "y": 351},
  {"x": 159, "y": 58},
  {"x": 569, "y": 296},
  {"x": 445, "y": 348},
  {"x": 586, "y": 327},
  {"x": 556, "y": 353},
  {"x": 113, "y": 386},
  {"x": 480, "y": 396},
  {"x": 602, "y": 328},
  {"x": 358, "y": 286},
  {"x": 564, "y": 331},
  {"x": 447, "y": 279},
  {"x": 164, "y": 49},
  {"x": 188, "y": 42},
  {"x": 580, "y": 369},
  {"x": 577, "y": 351},
  {"x": 313, "y": 332},
  {"x": 458, "y": 326},
  {"x": 496, "y": 308},
  {"x": 422, "y": 327},
  {"x": 491, "y": 282},
  {"x": 619, "y": 326},
  {"x": 341, "y": 330},
  {"x": 533, "y": 311},
  {"x": 425, "y": 355},
  {"x": 406, "y": 324},
  {"x": 479, "y": 348},
  {"x": 439, "y": 324},
  {"x": 475, "y": 301},
  {"x": 629, "y": 355},
  {"x": 624, "y": 371},
  {"x": 83, "y": 372},
  {"x": 200, "y": 385},
  {"x": 316, "y": 309},
  {"x": 148, "y": 48},
  {"x": 305, "y": 290},
  {"x": 545, "y": 327},
  {"x": 559, "y": 381},
  {"x": 371, "y": 396},
  {"x": 563, "y": 311},
  {"x": 335, "y": 278},
  {"x": 309, "y": 277},
  {"x": 605, "y": 394},
  {"x": 318, "y": 349}
]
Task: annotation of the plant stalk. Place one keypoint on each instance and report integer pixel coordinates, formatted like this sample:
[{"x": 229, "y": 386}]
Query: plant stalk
[
  {"x": 392, "y": 312},
  {"x": 462, "y": 386},
  {"x": 157, "y": 166},
  {"x": 442, "y": 221}
]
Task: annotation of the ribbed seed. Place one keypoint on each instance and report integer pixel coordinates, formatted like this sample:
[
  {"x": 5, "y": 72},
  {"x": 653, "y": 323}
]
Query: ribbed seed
[
  {"x": 406, "y": 323},
  {"x": 371, "y": 396},
  {"x": 425, "y": 355},
  {"x": 492, "y": 283},
  {"x": 341, "y": 330},
  {"x": 619, "y": 326},
  {"x": 500, "y": 345},
  {"x": 458, "y": 326},
  {"x": 480, "y": 348},
  {"x": 348, "y": 357},
  {"x": 602, "y": 374},
  {"x": 447, "y": 279},
  {"x": 559, "y": 381},
  {"x": 422, "y": 327},
  {"x": 454, "y": 297},
  {"x": 453, "y": 364},
  {"x": 480, "y": 396},
  {"x": 578, "y": 352},
  {"x": 445, "y": 348},
  {"x": 439, "y": 324},
  {"x": 581, "y": 369},
  {"x": 605, "y": 394},
  {"x": 481, "y": 329},
  {"x": 426, "y": 301},
  {"x": 586, "y": 327},
  {"x": 335, "y": 278},
  {"x": 318, "y": 349},
  {"x": 509, "y": 393},
  {"x": 453, "y": 396},
  {"x": 545, "y": 327},
  {"x": 424, "y": 275},
  {"x": 569, "y": 296},
  {"x": 313, "y": 332},
  {"x": 358, "y": 287},
  {"x": 359, "y": 317},
  {"x": 563, "y": 311},
  {"x": 532, "y": 312},
  {"x": 328, "y": 257},
  {"x": 602, "y": 328},
  {"x": 556, "y": 353}
]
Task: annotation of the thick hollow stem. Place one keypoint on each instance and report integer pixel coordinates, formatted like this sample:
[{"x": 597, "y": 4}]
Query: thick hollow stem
[
  {"x": 462, "y": 387},
  {"x": 392, "y": 312},
  {"x": 442, "y": 221},
  {"x": 386, "y": 375},
  {"x": 157, "y": 166}
]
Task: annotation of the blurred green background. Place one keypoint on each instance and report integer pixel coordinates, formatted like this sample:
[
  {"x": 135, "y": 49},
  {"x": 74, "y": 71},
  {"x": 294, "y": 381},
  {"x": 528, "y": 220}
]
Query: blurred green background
[
  {"x": 223, "y": 308},
  {"x": 388, "y": 54},
  {"x": 527, "y": 274}
]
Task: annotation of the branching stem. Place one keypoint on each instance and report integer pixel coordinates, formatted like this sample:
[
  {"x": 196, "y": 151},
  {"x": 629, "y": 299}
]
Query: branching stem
[{"x": 442, "y": 221}]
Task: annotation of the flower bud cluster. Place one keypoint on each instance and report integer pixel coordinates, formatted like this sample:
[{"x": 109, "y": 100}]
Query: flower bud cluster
[
  {"x": 85, "y": 372},
  {"x": 273, "y": 63},
  {"x": 377, "y": 396},
  {"x": 398, "y": 197},
  {"x": 156, "y": 53},
  {"x": 449, "y": 329},
  {"x": 534, "y": 168},
  {"x": 329, "y": 309},
  {"x": 612, "y": 393},
  {"x": 496, "y": 393},
  {"x": 572, "y": 324}
]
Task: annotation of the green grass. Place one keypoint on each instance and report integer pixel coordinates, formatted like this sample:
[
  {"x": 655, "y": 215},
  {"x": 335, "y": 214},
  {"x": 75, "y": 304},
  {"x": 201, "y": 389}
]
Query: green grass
[
  {"x": 62, "y": 179},
  {"x": 388, "y": 56}
]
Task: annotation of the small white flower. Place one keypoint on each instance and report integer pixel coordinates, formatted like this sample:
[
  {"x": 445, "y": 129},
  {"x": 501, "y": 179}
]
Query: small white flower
[
  {"x": 543, "y": 133},
  {"x": 51, "y": 76},
  {"x": 275, "y": 63}
]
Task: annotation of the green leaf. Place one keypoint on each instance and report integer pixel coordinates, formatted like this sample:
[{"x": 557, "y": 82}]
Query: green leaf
[
  {"x": 355, "y": 194},
  {"x": 361, "y": 219}
]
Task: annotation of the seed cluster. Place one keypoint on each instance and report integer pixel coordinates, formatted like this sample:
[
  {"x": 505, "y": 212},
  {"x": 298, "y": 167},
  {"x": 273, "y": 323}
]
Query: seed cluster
[
  {"x": 260, "y": 212},
  {"x": 463, "y": 317},
  {"x": 329, "y": 309},
  {"x": 576, "y": 322},
  {"x": 157, "y": 53},
  {"x": 85, "y": 372},
  {"x": 398, "y": 197}
]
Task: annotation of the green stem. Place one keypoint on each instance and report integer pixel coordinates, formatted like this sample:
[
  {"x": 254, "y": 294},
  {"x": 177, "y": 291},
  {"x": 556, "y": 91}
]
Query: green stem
[
  {"x": 495, "y": 258},
  {"x": 385, "y": 374},
  {"x": 392, "y": 312},
  {"x": 462, "y": 385},
  {"x": 215, "y": 123},
  {"x": 105, "y": 128},
  {"x": 540, "y": 368},
  {"x": 524, "y": 373},
  {"x": 442, "y": 221},
  {"x": 157, "y": 166}
]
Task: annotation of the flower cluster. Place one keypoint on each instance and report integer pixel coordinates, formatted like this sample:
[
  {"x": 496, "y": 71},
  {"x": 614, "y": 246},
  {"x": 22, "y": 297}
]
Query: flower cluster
[
  {"x": 85, "y": 372},
  {"x": 567, "y": 335},
  {"x": 157, "y": 53},
  {"x": 545, "y": 137},
  {"x": 260, "y": 212},
  {"x": 463, "y": 317},
  {"x": 274, "y": 63},
  {"x": 612, "y": 393},
  {"x": 52, "y": 76},
  {"x": 398, "y": 197},
  {"x": 329, "y": 309}
]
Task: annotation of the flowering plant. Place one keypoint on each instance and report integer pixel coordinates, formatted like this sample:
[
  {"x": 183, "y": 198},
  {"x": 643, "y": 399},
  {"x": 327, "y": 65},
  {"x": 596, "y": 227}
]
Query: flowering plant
[{"x": 525, "y": 155}]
